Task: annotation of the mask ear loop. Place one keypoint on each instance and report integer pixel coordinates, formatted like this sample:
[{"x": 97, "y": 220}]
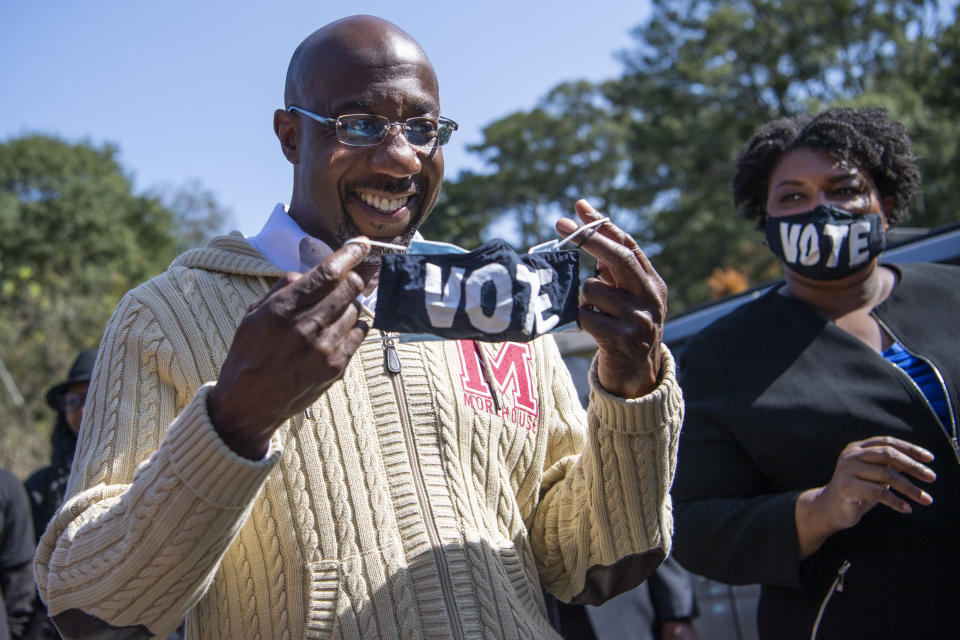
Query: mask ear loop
[
  {"x": 376, "y": 243},
  {"x": 590, "y": 226}
]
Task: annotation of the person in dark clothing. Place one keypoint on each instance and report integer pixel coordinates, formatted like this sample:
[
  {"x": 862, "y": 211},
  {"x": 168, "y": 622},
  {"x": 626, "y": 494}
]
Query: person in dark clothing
[
  {"x": 819, "y": 454},
  {"x": 17, "y": 588},
  {"x": 46, "y": 486}
]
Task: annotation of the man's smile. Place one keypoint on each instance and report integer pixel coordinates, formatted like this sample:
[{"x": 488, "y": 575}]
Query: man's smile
[
  {"x": 384, "y": 204},
  {"x": 383, "y": 212}
]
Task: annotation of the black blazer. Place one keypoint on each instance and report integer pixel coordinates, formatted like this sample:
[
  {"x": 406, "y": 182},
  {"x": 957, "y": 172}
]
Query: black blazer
[{"x": 773, "y": 393}]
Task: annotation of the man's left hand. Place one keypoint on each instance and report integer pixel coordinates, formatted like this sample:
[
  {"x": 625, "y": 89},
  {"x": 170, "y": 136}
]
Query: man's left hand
[{"x": 622, "y": 306}]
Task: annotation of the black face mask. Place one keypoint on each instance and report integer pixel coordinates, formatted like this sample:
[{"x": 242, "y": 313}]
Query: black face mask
[
  {"x": 490, "y": 294},
  {"x": 826, "y": 243}
]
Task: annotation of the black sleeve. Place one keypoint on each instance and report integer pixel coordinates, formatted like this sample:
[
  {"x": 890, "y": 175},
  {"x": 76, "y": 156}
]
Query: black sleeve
[
  {"x": 728, "y": 527},
  {"x": 36, "y": 486},
  {"x": 16, "y": 554}
]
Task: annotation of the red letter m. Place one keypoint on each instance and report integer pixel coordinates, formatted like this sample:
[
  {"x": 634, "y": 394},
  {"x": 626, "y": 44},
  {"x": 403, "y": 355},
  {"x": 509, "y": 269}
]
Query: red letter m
[{"x": 510, "y": 367}]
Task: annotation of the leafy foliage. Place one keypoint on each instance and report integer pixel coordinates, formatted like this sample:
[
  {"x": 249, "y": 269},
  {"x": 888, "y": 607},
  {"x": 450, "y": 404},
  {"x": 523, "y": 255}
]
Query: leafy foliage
[
  {"x": 73, "y": 238},
  {"x": 924, "y": 91},
  {"x": 461, "y": 213},
  {"x": 654, "y": 147},
  {"x": 197, "y": 214},
  {"x": 540, "y": 162}
]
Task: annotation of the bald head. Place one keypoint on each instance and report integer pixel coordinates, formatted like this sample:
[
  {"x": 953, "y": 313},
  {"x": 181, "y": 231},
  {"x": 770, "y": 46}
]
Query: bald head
[
  {"x": 355, "y": 41},
  {"x": 384, "y": 190}
]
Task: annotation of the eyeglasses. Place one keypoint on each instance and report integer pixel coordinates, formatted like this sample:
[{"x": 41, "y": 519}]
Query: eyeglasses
[
  {"x": 364, "y": 130},
  {"x": 74, "y": 401}
]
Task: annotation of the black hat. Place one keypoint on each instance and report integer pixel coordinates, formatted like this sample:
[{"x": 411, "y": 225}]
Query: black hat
[{"x": 79, "y": 372}]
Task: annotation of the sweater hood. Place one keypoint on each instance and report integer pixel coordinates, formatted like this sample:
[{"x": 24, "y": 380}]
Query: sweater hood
[{"x": 228, "y": 254}]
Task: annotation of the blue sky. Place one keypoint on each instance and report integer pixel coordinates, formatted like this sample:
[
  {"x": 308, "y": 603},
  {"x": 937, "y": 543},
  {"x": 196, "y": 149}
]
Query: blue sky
[{"x": 187, "y": 90}]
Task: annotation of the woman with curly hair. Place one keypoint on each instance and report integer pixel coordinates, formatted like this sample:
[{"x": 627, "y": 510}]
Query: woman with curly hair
[{"x": 819, "y": 453}]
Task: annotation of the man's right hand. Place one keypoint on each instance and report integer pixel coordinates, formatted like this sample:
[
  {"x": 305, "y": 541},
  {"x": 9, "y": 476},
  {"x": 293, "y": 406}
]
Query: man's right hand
[{"x": 290, "y": 347}]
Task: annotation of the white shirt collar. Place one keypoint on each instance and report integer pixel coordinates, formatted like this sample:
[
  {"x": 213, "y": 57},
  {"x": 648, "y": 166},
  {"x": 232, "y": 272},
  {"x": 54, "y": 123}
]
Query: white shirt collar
[
  {"x": 283, "y": 242},
  {"x": 280, "y": 239}
]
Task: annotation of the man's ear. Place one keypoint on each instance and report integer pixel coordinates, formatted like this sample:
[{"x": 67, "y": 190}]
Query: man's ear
[{"x": 287, "y": 127}]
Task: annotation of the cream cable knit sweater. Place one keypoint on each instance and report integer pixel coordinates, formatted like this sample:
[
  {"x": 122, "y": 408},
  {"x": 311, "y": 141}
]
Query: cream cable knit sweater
[{"x": 401, "y": 506}]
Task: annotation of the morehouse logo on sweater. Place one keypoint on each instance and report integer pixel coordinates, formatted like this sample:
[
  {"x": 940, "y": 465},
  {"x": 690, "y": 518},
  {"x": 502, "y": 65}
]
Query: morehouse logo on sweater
[{"x": 510, "y": 370}]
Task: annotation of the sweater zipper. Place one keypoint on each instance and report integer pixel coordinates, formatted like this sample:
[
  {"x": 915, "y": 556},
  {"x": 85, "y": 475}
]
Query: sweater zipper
[
  {"x": 954, "y": 443},
  {"x": 836, "y": 586},
  {"x": 392, "y": 363}
]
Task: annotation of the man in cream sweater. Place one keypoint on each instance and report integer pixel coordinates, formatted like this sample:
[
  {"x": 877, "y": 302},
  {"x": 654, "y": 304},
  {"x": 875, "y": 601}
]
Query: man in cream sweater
[{"x": 254, "y": 457}]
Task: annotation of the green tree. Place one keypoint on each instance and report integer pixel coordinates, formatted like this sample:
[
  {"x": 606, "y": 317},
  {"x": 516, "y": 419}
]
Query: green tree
[
  {"x": 924, "y": 91},
  {"x": 462, "y": 213},
  {"x": 73, "y": 238},
  {"x": 538, "y": 163},
  {"x": 197, "y": 214},
  {"x": 654, "y": 147},
  {"x": 704, "y": 75}
]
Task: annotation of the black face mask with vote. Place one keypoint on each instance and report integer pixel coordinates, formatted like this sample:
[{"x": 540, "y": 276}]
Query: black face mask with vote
[
  {"x": 491, "y": 294},
  {"x": 826, "y": 243}
]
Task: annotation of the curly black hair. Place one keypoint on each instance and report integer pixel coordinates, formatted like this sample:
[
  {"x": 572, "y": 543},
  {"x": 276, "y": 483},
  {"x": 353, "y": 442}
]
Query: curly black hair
[{"x": 866, "y": 137}]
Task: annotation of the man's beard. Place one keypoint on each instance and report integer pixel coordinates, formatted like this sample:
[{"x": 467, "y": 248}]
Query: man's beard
[{"x": 349, "y": 230}]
